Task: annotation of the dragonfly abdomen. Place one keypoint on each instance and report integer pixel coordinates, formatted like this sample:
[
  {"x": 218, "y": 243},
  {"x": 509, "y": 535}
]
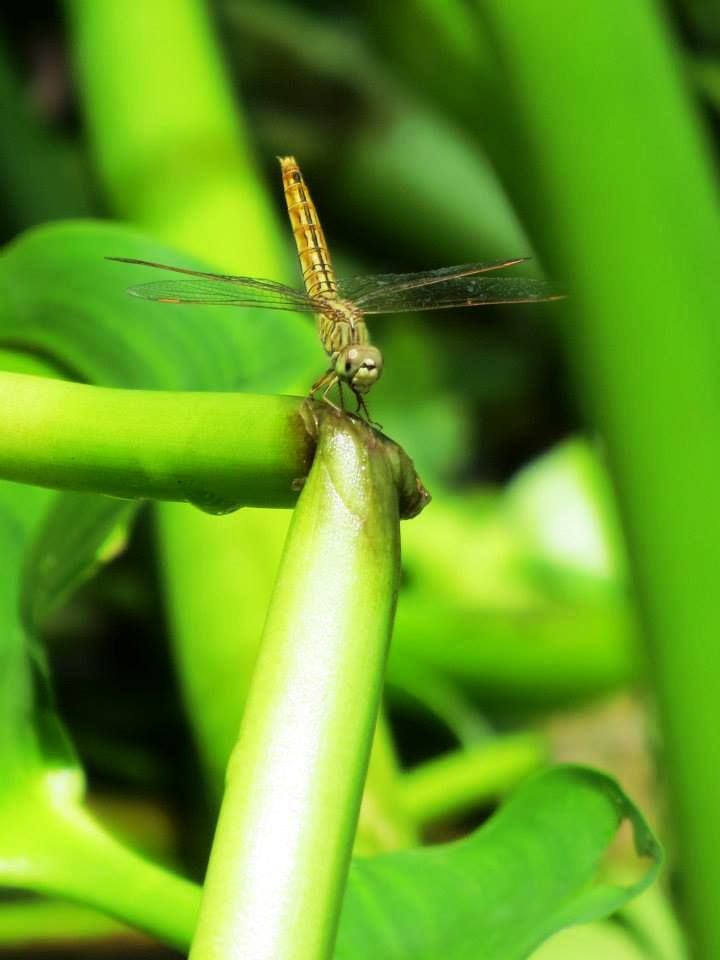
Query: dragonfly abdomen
[{"x": 315, "y": 262}]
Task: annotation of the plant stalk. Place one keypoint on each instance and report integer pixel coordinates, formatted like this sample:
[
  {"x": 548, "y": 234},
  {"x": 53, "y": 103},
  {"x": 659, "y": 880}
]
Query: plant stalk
[
  {"x": 62, "y": 851},
  {"x": 626, "y": 189},
  {"x": 279, "y": 861},
  {"x": 216, "y": 450}
]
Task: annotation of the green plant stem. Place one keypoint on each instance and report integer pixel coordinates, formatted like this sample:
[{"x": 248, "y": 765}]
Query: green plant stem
[
  {"x": 169, "y": 145},
  {"x": 202, "y": 604},
  {"x": 527, "y": 658},
  {"x": 217, "y": 450},
  {"x": 463, "y": 780},
  {"x": 62, "y": 851},
  {"x": 39, "y": 923},
  {"x": 384, "y": 822},
  {"x": 627, "y": 193},
  {"x": 281, "y": 851}
]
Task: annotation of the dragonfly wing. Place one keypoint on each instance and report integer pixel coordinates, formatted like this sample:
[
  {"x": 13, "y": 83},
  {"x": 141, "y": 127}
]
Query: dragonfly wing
[
  {"x": 219, "y": 292},
  {"x": 360, "y": 289},
  {"x": 466, "y": 291},
  {"x": 219, "y": 289}
]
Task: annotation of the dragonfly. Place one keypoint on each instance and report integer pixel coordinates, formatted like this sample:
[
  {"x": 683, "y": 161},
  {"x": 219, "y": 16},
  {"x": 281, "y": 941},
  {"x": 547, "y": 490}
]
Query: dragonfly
[{"x": 341, "y": 306}]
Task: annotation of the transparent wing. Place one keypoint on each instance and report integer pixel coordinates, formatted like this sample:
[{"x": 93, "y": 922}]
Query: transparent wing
[
  {"x": 363, "y": 290},
  {"x": 217, "y": 289},
  {"x": 467, "y": 291}
]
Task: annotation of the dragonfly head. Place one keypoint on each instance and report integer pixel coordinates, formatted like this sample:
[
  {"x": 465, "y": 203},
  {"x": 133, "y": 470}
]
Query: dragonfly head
[{"x": 360, "y": 365}]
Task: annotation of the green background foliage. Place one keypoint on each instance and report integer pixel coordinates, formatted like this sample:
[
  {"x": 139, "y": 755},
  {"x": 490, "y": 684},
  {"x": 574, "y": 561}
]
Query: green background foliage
[{"x": 557, "y": 598}]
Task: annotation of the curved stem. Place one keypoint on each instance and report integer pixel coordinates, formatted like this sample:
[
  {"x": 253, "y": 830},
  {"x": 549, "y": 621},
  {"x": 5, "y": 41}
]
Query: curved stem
[
  {"x": 62, "y": 851},
  {"x": 277, "y": 870},
  {"x": 464, "y": 779},
  {"x": 217, "y": 450},
  {"x": 384, "y": 823}
]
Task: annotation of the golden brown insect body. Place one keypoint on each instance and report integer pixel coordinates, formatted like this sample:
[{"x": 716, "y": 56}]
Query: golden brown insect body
[
  {"x": 341, "y": 306},
  {"x": 343, "y": 332}
]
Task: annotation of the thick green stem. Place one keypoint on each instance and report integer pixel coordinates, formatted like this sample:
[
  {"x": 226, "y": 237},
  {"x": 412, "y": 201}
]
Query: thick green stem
[
  {"x": 36, "y": 923},
  {"x": 630, "y": 207},
  {"x": 216, "y": 450},
  {"x": 277, "y": 870}
]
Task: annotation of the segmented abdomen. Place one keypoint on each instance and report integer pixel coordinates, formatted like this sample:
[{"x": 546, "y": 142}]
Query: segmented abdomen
[{"x": 315, "y": 263}]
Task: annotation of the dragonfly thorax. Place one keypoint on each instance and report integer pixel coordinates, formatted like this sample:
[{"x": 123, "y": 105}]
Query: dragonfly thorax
[{"x": 360, "y": 366}]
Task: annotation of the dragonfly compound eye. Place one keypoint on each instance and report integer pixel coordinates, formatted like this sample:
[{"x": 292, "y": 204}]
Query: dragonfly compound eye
[{"x": 360, "y": 365}]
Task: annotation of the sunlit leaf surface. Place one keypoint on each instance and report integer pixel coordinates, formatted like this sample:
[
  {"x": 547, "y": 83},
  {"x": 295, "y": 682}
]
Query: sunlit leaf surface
[{"x": 534, "y": 868}]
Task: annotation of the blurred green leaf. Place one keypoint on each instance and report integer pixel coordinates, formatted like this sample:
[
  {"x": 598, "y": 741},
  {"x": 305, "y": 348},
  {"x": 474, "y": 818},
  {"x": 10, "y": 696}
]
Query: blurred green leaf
[
  {"x": 61, "y": 298},
  {"x": 30, "y": 732},
  {"x": 506, "y": 598},
  {"x": 534, "y": 868},
  {"x": 562, "y": 510},
  {"x": 78, "y": 534}
]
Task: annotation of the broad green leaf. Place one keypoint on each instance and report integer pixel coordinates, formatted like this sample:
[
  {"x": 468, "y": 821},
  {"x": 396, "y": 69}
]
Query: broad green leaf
[
  {"x": 78, "y": 533},
  {"x": 533, "y": 869},
  {"x": 59, "y": 296}
]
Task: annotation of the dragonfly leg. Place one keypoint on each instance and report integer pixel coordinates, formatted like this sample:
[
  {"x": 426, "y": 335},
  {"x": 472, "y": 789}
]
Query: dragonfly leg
[
  {"x": 327, "y": 380},
  {"x": 322, "y": 381},
  {"x": 362, "y": 408},
  {"x": 331, "y": 383}
]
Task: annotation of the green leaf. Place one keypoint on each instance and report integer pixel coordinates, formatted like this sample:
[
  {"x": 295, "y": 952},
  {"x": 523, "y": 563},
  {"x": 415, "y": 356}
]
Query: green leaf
[
  {"x": 78, "y": 534},
  {"x": 533, "y": 869},
  {"x": 61, "y": 298},
  {"x": 24, "y": 692}
]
